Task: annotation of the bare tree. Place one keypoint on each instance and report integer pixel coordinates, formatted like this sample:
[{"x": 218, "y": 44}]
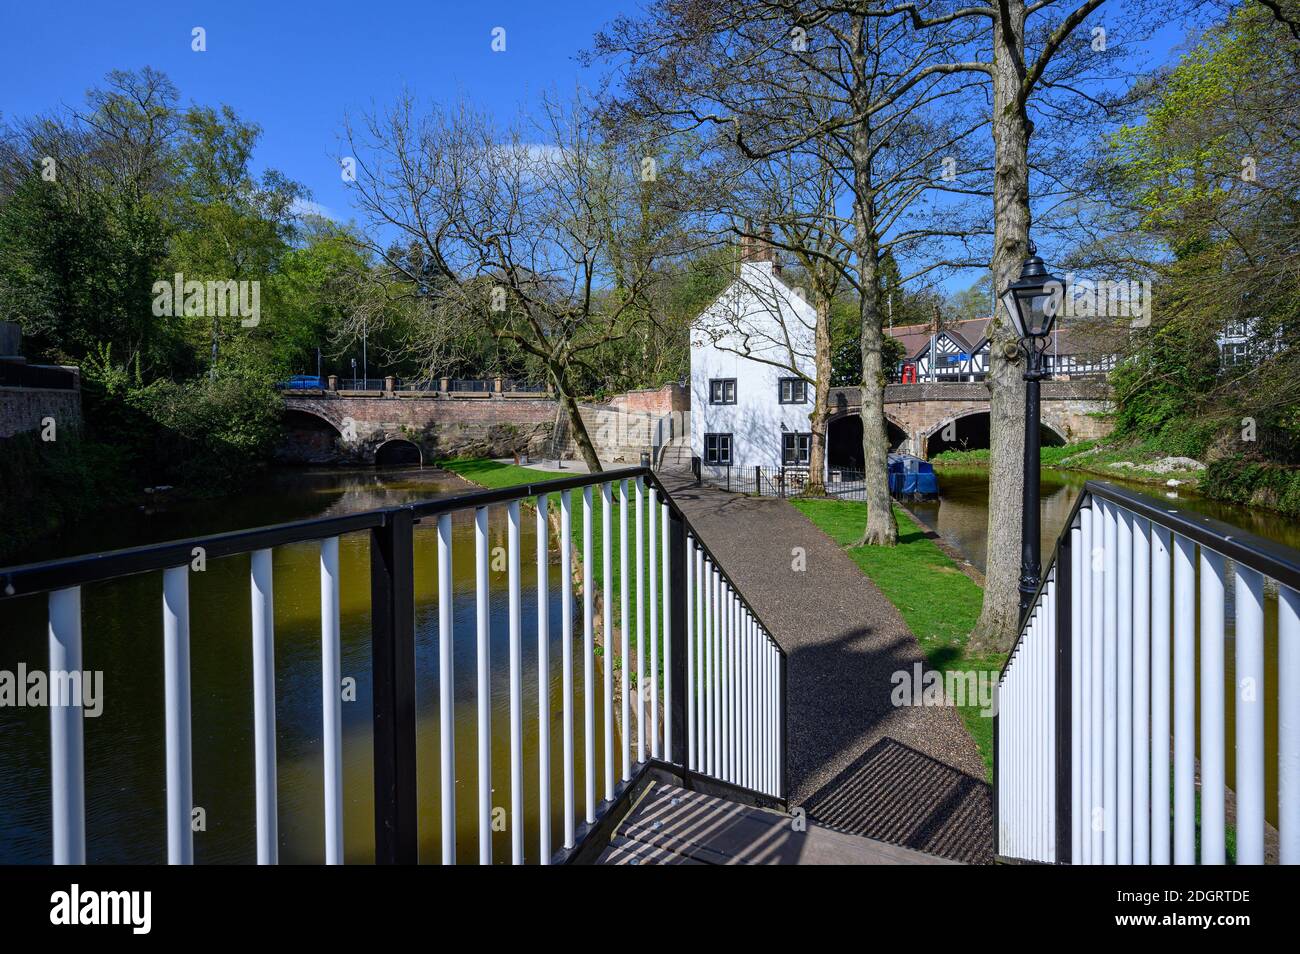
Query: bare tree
[
  {"x": 546, "y": 232},
  {"x": 778, "y": 76}
]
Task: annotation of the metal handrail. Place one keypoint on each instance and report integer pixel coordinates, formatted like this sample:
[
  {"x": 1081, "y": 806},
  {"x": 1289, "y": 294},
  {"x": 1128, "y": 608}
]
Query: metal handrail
[
  {"x": 393, "y": 650},
  {"x": 1269, "y": 557},
  {"x": 44, "y": 576}
]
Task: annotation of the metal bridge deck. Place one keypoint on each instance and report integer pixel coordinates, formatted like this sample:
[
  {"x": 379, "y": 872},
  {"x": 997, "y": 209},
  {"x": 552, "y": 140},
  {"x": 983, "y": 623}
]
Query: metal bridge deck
[{"x": 669, "y": 825}]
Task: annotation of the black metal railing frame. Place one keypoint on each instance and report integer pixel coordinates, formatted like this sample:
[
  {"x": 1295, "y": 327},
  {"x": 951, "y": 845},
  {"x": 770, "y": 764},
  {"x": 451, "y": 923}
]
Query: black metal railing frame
[
  {"x": 392, "y": 595},
  {"x": 1275, "y": 560}
]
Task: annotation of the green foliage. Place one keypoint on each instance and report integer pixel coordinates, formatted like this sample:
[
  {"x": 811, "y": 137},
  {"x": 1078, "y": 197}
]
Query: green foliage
[
  {"x": 1253, "y": 483},
  {"x": 1049, "y": 456},
  {"x": 211, "y": 430},
  {"x": 1211, "y": 173}
]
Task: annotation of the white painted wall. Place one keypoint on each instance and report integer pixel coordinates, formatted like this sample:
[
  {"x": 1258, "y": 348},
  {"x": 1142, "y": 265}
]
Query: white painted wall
[{"x": 727, "y": 341}]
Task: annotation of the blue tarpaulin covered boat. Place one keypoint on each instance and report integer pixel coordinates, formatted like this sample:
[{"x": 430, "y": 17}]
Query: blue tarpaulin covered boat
[{"x": 911, "y": 478}]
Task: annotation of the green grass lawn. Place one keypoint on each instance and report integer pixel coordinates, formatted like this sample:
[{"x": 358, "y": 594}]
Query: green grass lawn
[
  {"x": 493, "y": 475},
  {"x": 939, "y": 603}
]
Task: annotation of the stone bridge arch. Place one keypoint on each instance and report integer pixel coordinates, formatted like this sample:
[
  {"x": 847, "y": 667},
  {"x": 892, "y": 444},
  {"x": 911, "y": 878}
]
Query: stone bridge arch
[
  {"x": 1072, "y": 410},
  {"x": 970, "y": 430}
]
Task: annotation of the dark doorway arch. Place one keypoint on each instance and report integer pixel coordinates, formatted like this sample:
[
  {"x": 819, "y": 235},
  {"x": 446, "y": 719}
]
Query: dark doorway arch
[
  {"x": 844, "y": 441},
  {"x": 971, "y": 432},
  {"x": 398, "y": 453}
]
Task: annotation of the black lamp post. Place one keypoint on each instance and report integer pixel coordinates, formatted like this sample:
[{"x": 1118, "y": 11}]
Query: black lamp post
[{"x": 1032, "y": 302}]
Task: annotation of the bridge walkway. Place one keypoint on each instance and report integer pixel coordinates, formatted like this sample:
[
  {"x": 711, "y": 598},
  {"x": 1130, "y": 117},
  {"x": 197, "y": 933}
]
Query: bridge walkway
[{"x": 909, "y": 776}]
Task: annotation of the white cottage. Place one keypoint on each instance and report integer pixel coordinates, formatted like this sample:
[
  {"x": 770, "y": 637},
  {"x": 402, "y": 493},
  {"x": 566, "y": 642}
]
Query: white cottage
[{"x": 749, "y": 402}]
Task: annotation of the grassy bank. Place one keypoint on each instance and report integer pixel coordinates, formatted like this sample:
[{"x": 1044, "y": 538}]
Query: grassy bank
[
  {"x": 939, "y": 603},
  {"x": 1139, "y": 462}
]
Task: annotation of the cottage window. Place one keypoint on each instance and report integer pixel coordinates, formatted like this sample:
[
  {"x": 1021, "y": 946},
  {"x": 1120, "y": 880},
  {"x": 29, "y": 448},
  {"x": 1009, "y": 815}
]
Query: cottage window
[
  {"x": 717, "y": 449},
  {"x": 794, "y": 391},
  {"x": 722, "y": 391},
  {"x": 796, "y": 449}
]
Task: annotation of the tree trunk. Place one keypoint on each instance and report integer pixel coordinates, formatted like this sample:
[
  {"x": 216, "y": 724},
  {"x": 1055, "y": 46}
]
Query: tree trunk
[
  {"x": 821, "y": 397},
  {"x": 999, "y": 619},
  {"x": 881, "y": 529},
  {"x": 576, "y": 425}
]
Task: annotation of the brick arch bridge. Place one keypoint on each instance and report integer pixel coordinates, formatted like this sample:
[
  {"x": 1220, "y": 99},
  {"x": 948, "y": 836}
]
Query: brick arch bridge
[
  {"x": 1072, "y": 410},
  {"x": 329, "y": 426}
]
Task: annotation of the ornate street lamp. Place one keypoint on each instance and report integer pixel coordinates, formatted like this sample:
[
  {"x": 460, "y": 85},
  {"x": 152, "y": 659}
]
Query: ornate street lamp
[{"x": 1032, "y": 302}]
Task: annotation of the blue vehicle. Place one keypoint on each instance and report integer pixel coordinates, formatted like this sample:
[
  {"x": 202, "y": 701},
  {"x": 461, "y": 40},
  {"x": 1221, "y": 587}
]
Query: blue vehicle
[
  {"x": 911, "y": 478},
  {"x": 302, "y": 382}
]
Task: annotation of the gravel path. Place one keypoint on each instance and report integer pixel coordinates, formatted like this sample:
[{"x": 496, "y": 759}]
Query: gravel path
[{"x": 908, "y": 775}]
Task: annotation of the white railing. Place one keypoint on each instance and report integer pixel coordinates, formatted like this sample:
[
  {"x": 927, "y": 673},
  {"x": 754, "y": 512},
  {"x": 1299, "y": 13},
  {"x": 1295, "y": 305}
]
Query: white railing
[
  {"x": 701, "y": 694},
  {"x": 1117, "y": 696}
]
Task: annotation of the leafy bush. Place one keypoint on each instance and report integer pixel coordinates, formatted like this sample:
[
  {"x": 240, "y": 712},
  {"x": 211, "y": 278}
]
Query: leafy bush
[
  {"x": 211, "y": 430},
  {"x": 1243, "y": 481}
]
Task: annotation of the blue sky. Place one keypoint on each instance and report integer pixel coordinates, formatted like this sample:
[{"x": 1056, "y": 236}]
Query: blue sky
[{"x": 296, "y": 68}]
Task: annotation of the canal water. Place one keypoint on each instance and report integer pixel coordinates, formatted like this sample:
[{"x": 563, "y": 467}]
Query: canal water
[
  {"x": 960, "y": 516},
  {"x": 122, "y": 636}
]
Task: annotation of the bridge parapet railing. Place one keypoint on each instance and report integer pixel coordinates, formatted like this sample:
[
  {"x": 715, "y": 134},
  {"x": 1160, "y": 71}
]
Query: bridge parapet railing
[
  {"x": 1162, "y": 648},
  {"x": 699, "y": 685}
]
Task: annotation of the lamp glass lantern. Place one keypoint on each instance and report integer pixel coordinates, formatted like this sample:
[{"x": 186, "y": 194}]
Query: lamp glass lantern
[{"x": 1033, "y": 300}]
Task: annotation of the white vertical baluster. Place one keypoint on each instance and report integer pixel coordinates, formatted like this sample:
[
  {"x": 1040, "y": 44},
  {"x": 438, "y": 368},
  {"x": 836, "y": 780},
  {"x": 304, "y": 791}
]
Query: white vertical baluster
[
  {"x": 263, "y": 607},
  {"x": 1124, "y": 660},
  {"x": 1083, "y": 597},
  {"x": 176, "y": 692},
  {"x": 566, "y": 656},
  {"x": 516, "y": 690},
  {"x": 729, "y": 684},
  {"x": 483, "y": 660},
  {"x": 667, "y": 637},
  {"x": 67, "y": 752},
  {"x": 446, "y": 692},
  {"x": 1184, "y": 701},
  {"x": 751, "y": 707},
  {"x": 624, "y": 584},
  {"x": 1078, "y": 559},
  {"x": 653, "y": 559},
  {"x": 640, "y": 624},
  {"x": 331, "y": 697},
  {"x": 710, "y": 605},
  {"x": 543, "y": 683},
  {"x": 1110, "y": 682},
  {"x": 1288, "y": 724},
  {"x": 1141, "y": 691},
  {"x": 1250, "y": 691},
  {"x": 699, "y": 655},
  {"x": 1213, "y": 757},
  {"x": 1096, "y": 817},
  {"x": 588, "y": 662},
  {"x": 607, "y": 534},
  {"x": 1161, "y": 544},
  {"x": 715, "y": 688},
  {"x": 689, "y": 642}
]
